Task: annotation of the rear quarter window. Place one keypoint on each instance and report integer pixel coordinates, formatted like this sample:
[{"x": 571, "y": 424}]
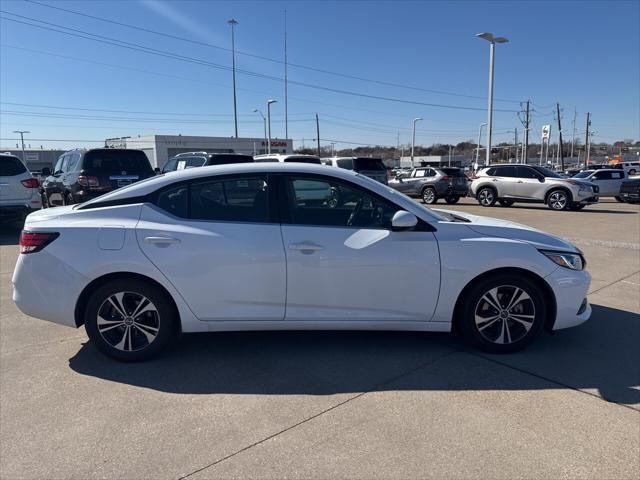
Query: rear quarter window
[{"x": 10, "y": 166}]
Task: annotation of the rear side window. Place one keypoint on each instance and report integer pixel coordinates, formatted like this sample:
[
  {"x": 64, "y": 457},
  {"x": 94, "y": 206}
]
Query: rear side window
[
  {"x": 114, "y": 162},
  {"x": 504, "y": 172},
  {"x": 452, "y": 172},
  {"x": 10, "y": 166},
  {"x": 367, "y": 164},
  {"x": 233, "y": 200},
  {"x": 174, "y": 201},
  {"x": 616, "y": 175}
]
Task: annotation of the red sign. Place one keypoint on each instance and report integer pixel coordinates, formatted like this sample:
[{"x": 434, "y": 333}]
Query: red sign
[{"x": 275, "y": 143}]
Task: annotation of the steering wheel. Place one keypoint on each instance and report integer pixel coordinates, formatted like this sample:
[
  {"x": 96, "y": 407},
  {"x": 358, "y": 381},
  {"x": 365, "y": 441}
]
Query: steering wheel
[{"x": 355, "y": 212}]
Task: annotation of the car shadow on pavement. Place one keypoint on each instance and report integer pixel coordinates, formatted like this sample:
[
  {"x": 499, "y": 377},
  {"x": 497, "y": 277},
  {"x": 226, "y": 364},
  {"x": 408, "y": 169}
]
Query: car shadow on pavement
[
  {"x": 521, "y": 206},
  {"x": 601, "y": 355}
]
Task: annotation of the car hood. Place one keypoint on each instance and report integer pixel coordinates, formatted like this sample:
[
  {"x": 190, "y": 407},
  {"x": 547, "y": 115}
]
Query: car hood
[
  {"x": 496, "y": 227},
  {"x": 574, "y": 181}
]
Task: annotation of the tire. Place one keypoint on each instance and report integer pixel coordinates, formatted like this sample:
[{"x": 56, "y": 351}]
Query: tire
[
  {"x": 122, "y": 334},
  {"x": 429, "y": 195},
  {"x": 503, "y": 330},
  {"x": 505, "y": 203},
  {"x": 486, "y": 197},
  {"x": 68, "y": 199},
  {"x": 631, "y": 172},
  {"x": 451, "y": 200},
  {"x": 558, "y": 200},
  {"x": 618, "y": 199}
]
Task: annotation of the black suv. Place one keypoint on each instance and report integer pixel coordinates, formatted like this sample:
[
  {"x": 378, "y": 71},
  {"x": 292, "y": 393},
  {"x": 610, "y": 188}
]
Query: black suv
[
  {"x": 203, "y": 159},
  {"x": 80, "y": 175}
]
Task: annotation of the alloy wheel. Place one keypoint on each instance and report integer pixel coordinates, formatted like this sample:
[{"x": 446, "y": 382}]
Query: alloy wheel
[
  {"x": 128, "y": 321},
  {"x": 504, "y": 314},
  {"x": 558, "y": 200},
  {"x": 429, "y": 195}
]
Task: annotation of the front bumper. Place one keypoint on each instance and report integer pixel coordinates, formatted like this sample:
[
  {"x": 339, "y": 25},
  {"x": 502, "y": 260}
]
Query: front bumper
[
  {"x": 589, "y": 200},
  {"x": 570, "y": 288}
]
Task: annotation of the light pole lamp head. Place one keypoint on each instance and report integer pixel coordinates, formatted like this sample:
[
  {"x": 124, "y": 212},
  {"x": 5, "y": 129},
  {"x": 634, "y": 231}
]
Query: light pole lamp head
[
  {"x": 490, "y": 38},
  {"x": 269, "y": 102},
  {"x": 417, "y": 119},
  {"x": 232, "y": 22}
]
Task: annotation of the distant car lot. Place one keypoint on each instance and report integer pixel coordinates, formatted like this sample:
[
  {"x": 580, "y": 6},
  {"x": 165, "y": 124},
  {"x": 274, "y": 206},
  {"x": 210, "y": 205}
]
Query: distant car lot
[{"x": 269, "y": 405}]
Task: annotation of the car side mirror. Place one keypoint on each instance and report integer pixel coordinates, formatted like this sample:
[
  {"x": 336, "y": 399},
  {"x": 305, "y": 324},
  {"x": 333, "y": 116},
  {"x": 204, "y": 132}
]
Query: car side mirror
[
  {"x": 541, "y": 179},
  {"x": 46, "y": 171},
  {"x": 156, "y": 171},
  {"x": 403, "y": 220}
]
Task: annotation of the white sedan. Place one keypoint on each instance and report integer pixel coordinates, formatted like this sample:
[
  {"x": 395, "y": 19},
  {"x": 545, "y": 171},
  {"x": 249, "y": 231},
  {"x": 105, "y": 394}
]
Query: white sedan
[{"x": 243, "y": 247}]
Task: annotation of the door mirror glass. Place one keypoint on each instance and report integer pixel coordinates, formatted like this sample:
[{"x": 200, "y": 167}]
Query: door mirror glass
[
  {"x": 403, "y": 220},
  {"x": 541, "y": 179},
  {"x": 46, "y": 171}
]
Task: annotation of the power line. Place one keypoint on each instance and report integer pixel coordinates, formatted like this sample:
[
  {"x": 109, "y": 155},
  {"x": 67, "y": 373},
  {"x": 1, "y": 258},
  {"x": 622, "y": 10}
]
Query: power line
[
  {"x": 273, "y": 60},
  {"x": 187, "y": 59}
]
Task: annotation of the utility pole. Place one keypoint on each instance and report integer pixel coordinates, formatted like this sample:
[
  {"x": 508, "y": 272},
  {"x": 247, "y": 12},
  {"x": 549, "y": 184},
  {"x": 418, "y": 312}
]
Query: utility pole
[
  {"x": 515, "y": 142},
  {"x": 573, "y": 135},
  {"x": 449, "y": 155},
  {"x": 233, "y": 22},
  {"x": 478, "y": 150},
  {"x": 413, "y": 142},
  {"x": 286, "y": 96},
  {"x": 560, "y": 152},
  {"x": 525, "y": 149},
  {"x": 318, "y": 133},
  {"x": 22, "y": 132},
  {"x": 269, "y": 102},
  {"x": 586, "y": 141}
]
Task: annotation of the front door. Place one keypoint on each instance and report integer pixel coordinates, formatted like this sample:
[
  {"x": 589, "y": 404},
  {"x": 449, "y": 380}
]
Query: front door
[
  {"x": 215, "y": 241},
  {"x": 528, "y": 183},
  {"x": 345, "y": 263}
]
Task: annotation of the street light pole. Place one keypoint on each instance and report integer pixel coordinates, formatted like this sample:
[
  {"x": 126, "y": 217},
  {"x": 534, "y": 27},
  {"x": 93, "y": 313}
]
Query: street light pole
[
  {"x": 413, "y": 141},
  {"x": 264, "y": 121},
  {"x": 233, "y": 22},
  {"x": 492, "y": 45},
  {"x": 22, "y": 132},
  {"x": 478, "y": 150},
  {"x": 269, "y": 102}
]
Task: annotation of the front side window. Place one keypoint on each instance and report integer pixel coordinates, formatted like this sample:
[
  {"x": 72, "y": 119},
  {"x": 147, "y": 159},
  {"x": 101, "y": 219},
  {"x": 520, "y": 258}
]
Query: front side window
[
  {"x": 345, "y": 163},
  {"x": 58, "y": 167},
  {"x": 233, "y": 200},
  {"x": 74, "y": 158},
  {"x": 327, "y": 202},
  {"x": 603, "y": 175},
  {"x": 526, "y": 172}
]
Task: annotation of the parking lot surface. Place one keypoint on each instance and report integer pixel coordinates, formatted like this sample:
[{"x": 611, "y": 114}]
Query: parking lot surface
[{"x": 339, "y": 404}]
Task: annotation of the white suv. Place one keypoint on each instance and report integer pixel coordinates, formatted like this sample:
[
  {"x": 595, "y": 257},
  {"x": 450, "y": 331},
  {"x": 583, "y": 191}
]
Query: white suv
[
  {"x": 19, "y": 190},
  {"x": 509, "y": 183}
]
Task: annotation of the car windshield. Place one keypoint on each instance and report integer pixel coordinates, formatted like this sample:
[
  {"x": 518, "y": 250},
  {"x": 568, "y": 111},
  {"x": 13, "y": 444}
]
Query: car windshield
[
  {"x": 546, "y": 172},
  {"x": 368, "y": 164},
  {"x": 584, "y": 174}
]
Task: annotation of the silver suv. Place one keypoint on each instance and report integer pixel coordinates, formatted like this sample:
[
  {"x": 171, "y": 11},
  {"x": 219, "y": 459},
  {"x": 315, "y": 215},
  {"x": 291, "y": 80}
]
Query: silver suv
[
  {"x": 19, "y": 190},
  {"x": 509, "y": 183}
]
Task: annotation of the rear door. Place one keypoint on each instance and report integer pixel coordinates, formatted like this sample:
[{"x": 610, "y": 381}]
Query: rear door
[
  {"x": 606, "y": 183},
  {"x": 504, "y": 179},
  {"x": 345, "y": 263},
  {"x": 12, "y": 172},
  {"x": 217, "y": 240}
]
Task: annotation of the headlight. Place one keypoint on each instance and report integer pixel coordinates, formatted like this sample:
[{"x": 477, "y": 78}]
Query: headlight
[{"x": 574, "y": 261}]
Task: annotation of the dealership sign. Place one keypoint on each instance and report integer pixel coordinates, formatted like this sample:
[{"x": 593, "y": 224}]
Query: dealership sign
[
  {"x": 546, "y": 131},
  {"x": 275, "y": 143}
]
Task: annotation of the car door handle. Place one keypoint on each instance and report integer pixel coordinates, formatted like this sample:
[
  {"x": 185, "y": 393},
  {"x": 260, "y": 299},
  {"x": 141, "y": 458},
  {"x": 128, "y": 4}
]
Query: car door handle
[
  {"x": 306, "y": 247},
  {"x": 161, "y": 241},
  {"x": 519, "y": 181},
  {"x": 494, "y": 179}
]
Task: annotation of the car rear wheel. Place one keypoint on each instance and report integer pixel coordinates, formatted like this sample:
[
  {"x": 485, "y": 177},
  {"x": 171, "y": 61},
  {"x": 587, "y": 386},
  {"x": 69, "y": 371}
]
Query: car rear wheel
[
  {"x": 618, "y": 199},
  {"x": 452, "y": 200},
  {"x": 503, "y": 314},
  {"x": 487, "y": 197},
  {"x": 505, "y": 203},
  {"x": 429, "y": 196},
  {"x": 130, "y": 320},
  {"x": 558, "y": 200},
  {"x": 631, "y": 172}
]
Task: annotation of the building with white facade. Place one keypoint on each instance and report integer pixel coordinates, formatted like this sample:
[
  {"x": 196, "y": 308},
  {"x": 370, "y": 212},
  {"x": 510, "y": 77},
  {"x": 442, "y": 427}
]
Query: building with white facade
[
  {"x": 160, "y": 148},
  {"x": 435, "y": 161}
]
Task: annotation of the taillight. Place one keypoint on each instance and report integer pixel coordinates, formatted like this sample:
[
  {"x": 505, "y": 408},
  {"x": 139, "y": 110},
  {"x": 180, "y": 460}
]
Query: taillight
[
  {"x": 32, "y": 242},
  {"x": 446, "y": 178},
  {"x": 87, "y": 181},
  {"x": 31, "y": 183}
]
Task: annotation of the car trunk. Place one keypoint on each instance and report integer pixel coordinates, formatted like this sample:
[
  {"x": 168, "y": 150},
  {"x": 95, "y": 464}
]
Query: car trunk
[{"x": 12, "y": 173}]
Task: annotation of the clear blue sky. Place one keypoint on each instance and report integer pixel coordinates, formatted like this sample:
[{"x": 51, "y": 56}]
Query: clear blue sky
[{"x": 583, "y": 54}]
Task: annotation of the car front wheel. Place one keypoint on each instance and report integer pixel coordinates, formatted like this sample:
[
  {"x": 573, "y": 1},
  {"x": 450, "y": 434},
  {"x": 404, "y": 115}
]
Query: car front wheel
[
  {"x": 130, "y": 320},
  {"x": 452, "y": 200},
  {"x": 558, "y": 200},
  {"x": 487, "y": 197},
  {"x": 503, "y": 314}
]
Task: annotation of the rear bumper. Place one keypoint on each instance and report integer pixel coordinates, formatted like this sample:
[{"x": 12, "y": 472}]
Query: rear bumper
[{"x": 452, "y": 191}]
